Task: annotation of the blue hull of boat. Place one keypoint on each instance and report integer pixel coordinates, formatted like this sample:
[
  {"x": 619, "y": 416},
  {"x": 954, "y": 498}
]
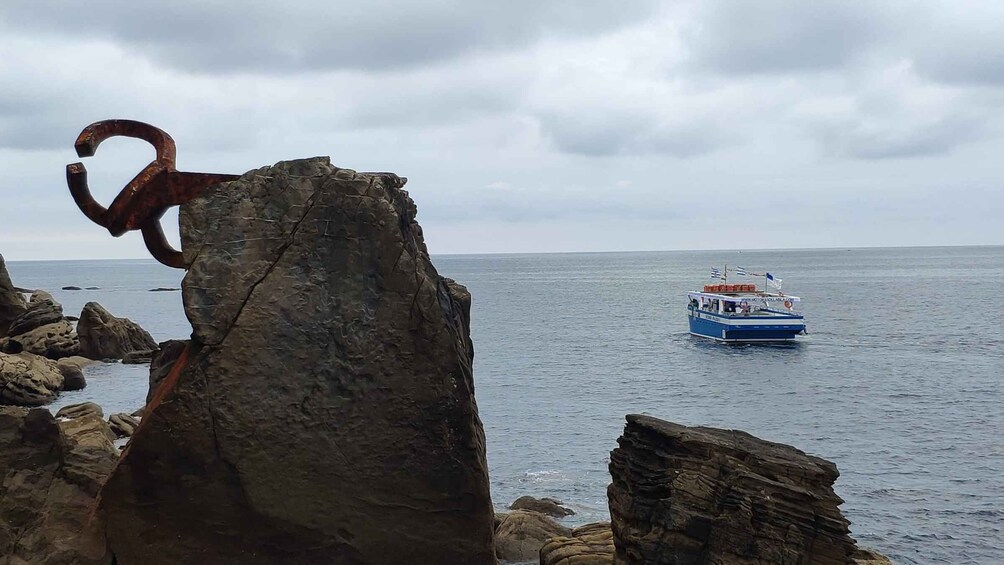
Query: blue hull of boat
[{"x": 723, "y": 331}]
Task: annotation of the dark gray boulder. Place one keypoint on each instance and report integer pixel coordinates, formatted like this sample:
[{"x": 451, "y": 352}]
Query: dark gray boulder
[
  {"x": 324, "y": 411},
  {"x": 545, "y": 505},
  {"x": 162, "y": 363},
  {"x": 12, "y": 302},
  {"x": 104, "y": 336}
]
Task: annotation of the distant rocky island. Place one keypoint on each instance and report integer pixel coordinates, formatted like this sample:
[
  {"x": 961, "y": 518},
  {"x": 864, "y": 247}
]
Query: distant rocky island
[{"x": 324, "y": 411}]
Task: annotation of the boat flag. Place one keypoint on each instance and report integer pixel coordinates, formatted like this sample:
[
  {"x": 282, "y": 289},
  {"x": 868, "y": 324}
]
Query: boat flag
[
  {"x": 716, "y": 274},
  {"x": 774, "y": 282},
  {"x": 741, "y": 271}
]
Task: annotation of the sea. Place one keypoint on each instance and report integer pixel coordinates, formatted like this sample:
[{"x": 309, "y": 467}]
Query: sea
[{"x": 899, "y": 381}]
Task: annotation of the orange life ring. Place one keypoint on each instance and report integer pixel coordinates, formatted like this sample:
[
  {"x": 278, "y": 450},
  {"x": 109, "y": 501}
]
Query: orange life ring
[{"x": 787, "y": 304}]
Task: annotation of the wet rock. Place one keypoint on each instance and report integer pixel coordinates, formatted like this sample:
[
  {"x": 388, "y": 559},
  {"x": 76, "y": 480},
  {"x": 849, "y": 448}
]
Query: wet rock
[
  {"x": 72, "y": 288},
  {"x": 163, "y": 362},
  {"x": 324, "y": 411},
  {"x": 546, "y": 506},
  {"x": 104, "y": 336},
  {"x": 123, "y": 425},
  {"x": 164, "y": 289},
  {"x": 39, "y": 313},
  {"x": 522, "y": 533},
  {"x": 54, "y": 341},
  {"x": 139, "y": 357},
  {"x": 47, "y": 496},
  {"x": 12, "y": 302},
  {"x": 868, "y": 557},
  {"x": 591, "y": 544},
  {"x": 28, "y": 380},
  {"x": 703, "y": 495},
  {"x": 71, "y": 411},
  {"x": 73, "y": 375}
]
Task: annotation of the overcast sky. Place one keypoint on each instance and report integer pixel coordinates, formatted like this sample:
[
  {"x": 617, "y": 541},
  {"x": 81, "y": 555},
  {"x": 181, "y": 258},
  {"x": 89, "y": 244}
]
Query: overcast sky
[{"x": 531, "y": 125}]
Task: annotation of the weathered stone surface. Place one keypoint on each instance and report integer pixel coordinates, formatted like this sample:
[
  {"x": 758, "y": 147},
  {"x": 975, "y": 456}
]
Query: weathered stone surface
[
  {"x": 522, "y": 533},
  {"x": 139, "y": 357},
  {"x": 12, "y": 302},
  {"x": 868, "y": 557},
  {"x": 41, "y": 296},
  {"x": 55, "y": 341},
  {"x": 49, "y": 481},
  {"x": 73, "y": 375},
  {"x": 90, "y": 430},
  {"x": 684, "y": 495},
  {"x": 591, "y": 544},
  {"x": 104, "y": 336},
  {"x": 123, "y": 425},
  {"x": 545, "y": 505},
  {"x": 324, "y": 411},
  {"x": 82, "y": 409},
  {"x": 39, "y": 313},
  {"x": 28, "y": 380},
  {"x": 163, "y": 362}
]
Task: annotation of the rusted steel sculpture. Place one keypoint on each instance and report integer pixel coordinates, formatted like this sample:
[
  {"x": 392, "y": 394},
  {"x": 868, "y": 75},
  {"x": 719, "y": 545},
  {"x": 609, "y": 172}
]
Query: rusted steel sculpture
[{"x": 143, "y": 201}]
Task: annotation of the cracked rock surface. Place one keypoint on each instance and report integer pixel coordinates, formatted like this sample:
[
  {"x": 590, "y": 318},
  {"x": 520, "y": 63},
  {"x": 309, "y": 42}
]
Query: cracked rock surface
[
  {"x": 691, "y": 495},
  {"x": 324, "y": 410}
]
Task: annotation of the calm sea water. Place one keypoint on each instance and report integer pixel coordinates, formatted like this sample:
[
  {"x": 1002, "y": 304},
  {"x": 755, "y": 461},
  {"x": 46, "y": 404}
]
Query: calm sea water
[{"x": 898, "y": 383}]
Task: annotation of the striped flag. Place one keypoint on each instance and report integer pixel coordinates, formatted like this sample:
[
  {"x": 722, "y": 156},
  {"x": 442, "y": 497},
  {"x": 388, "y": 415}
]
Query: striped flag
[
  {"x": 741, "y": 271},
  {"x": 716, "y": 274}
]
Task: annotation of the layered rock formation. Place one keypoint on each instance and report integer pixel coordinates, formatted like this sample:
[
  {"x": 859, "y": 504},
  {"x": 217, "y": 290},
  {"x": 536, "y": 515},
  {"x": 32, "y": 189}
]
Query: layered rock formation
[
  {"x": 12, "y": 302},
  {"x": 50, "y": 477},
  {"x": 683, "y": 495},
  {"x": 28, "y": 380},
  {"x": 545, "y": 505},
  {"x": 324, "y": 411},
  {"x": 104, "y": 336},
  {"x": 591, "y": 544},
  {"x": 521, "y": 533}
]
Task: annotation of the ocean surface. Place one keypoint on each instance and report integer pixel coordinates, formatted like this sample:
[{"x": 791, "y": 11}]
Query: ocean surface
[{"x": 898, "y": 382}]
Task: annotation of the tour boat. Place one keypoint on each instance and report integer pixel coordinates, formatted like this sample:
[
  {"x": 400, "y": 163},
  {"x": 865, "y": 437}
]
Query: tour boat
[{"x": 740, "y": 313}]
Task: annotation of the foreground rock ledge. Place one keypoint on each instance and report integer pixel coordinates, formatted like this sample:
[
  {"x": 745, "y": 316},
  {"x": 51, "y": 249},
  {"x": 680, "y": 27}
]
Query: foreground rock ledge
[
  {"x": 324, "y": 411},
  {"x": 684, "y": 495}
]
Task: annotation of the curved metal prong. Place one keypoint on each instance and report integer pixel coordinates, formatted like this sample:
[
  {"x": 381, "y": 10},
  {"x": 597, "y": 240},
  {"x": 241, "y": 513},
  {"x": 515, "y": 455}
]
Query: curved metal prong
[
  {"x": 157, "y": 245},
  {"x": 76, "y": 178},
  {"x": 92, "y": 136}
]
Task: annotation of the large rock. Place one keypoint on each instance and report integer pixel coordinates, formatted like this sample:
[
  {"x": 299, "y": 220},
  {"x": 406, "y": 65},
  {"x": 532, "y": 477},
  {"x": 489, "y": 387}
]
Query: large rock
[
  {"x": 545, "y": 505},
  {"x": 591, "y": 544},
  {"x": 47, "y": 492},
  {"x": 55, "y": 341},
  {"x": 39, "y": 313},
  {"x": 162, "y": 363},
  {"x": 104, "y": 336},
  {"x": 28, "y": 380},
  {"x": 683, "y": 495},
  {"x": 324, "y": 411},
  {"x": 522, "y": 533},
  {"x": 12, "y": 302}
]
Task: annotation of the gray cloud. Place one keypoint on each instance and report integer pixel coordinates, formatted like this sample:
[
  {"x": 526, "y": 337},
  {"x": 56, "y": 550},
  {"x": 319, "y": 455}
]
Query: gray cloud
[
  {"x": 265, "y": 37},
  {"x": 604, "y": 132}
]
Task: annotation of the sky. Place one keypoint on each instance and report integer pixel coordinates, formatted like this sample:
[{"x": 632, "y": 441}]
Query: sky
[{"x": 530, "y": 125}]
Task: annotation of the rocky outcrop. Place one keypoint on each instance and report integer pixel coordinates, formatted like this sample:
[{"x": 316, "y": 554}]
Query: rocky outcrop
[
  {"x": 12, "y": 302},
  {"x": 324, "y": 411},
  {"x": 28, "y": 380},
  {"x": 91, "y": 431},
  {"x": 104, "y": 336},
  {"x": 546, "y": 506},
  {"x": 47, "y": 492},
  {"x": 591, "y": 544},
  {"x": 71, "y": 411},
  {"x": 139, "y": 357},
  {"x": 40, "y": 312},
  {"x": 685, "y": 495},
  {"x": 55, "y": 341},
  {"x": 522, "y": 533},
  {"x": 162, "y": 363},
  {"x": 73, "y": 375},
  {"x": 123, "y": 425}
]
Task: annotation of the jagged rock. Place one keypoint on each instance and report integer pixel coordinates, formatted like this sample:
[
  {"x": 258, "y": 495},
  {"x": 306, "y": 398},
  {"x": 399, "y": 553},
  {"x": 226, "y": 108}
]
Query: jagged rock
[
  {"x": 324, "y": 411},
  {"x": 82, "y": 409},
  {"x": 139, "y": 357},
  {"x": 123, "y": 425},
  {"x": 591, "y": 544},
  {"x": 163, "y": 362},
  {"x": 545, "y": 505},
  {"x": 39, "y": 313},
  {"x": 54, "y": 341},
  {"x": 684, "y": 495},
  {"x": 104, "y": 336},
  {"x": 73, "y": 375},
  {"x": 12, "y": 302},
  {"x": 522, "y": 533},
  {"x": 49, "y": 483},
  {"x": 28, "y": 380}
]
